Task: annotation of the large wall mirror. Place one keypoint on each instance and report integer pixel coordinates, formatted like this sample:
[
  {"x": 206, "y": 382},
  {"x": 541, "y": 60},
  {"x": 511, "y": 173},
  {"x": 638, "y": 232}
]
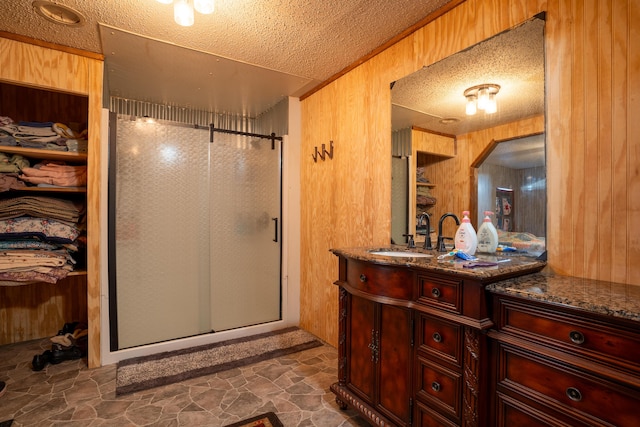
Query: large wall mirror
[{"x": 479, "y": 150}]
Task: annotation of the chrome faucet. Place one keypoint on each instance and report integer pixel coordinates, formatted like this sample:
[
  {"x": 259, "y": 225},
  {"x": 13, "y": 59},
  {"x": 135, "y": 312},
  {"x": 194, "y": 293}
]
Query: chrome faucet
[
  {"x": 427, "y": 238},
  {"x": 441, "y": 238}
]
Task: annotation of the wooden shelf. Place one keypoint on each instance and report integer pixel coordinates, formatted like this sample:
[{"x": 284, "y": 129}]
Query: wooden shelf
[
  {"x": 425, "y": 184},
  {"x": 78, "y": 190},
  {"x": 77, "y": 273},
  {"x": 37, "y": 153}
]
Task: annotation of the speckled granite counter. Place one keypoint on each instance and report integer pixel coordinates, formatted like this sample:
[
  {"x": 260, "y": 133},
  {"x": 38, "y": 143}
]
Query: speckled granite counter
[
  {"x": 606, "y": 298},
  {"x": 507, "y": 264}
]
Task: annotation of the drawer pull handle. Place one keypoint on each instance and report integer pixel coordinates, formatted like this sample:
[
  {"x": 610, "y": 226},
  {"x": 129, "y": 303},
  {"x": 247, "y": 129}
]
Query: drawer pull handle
[
  {"x": 435, "y": 292},
  {"x": 576, "y": 337},
  {"x": 574, "y": 394},
  {"x": 363, "y": 278},
  {"x": 437, "y": 337},
  {"x": 435, "y": 386}
]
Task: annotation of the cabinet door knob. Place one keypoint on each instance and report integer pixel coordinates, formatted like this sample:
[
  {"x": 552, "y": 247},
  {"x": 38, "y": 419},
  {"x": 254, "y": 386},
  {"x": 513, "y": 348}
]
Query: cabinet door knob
[
  {"x": 437, "y": 337},
  {"x": 574, "y": 394},
  {"x": 363, "y": 278},
  {"x": 435, "y": 386},
  {"x": 435, "y": 292},
  {"x": 576, "y": 337}
]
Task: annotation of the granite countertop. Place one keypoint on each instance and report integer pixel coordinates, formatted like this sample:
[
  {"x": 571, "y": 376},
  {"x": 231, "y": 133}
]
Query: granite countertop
[
  {"x": 596, "y": 296},
  {"x": 507, "y": 264}
]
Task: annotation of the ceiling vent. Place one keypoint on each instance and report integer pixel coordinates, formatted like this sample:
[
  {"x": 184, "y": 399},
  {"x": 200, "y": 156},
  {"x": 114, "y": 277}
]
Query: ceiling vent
[{"x": 58, "y": 13}]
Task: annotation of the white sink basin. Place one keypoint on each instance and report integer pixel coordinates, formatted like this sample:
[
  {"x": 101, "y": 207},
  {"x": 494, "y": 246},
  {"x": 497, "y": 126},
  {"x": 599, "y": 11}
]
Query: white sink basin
[{"x": 404, "y": 254}]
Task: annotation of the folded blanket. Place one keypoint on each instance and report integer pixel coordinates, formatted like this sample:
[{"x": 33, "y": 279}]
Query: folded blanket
[
  {"x": 44, "y": 229},
  {"x": 55, "y": 174}
]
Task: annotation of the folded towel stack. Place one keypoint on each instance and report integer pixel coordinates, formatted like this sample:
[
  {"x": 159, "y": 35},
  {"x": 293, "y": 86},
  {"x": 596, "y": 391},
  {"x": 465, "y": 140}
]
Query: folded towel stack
[{"x": 54, "y": 173}]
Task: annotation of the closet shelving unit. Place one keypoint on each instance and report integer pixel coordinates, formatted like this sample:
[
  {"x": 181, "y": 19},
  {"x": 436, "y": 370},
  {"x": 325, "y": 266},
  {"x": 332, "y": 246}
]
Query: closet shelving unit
[{"x": 45, "y": 82}]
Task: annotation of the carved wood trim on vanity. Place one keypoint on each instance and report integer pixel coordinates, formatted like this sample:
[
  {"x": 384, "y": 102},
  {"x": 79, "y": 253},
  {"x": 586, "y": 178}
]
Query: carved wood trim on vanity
[{"x": 471, "y": 375}]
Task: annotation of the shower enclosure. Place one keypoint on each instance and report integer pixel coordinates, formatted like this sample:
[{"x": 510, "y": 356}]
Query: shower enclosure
[{"x": 194, "y": 230}]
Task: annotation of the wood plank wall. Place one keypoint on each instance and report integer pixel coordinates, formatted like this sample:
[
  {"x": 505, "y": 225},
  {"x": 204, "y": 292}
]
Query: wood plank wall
[
  {"x": 593, "y": 82},
  {"x": 37, "y": 310}
]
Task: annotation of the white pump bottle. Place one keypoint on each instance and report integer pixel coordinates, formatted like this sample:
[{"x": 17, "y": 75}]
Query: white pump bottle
[
  {"x": 466, "y": 239},
  {"x": 487, "y": 235}
]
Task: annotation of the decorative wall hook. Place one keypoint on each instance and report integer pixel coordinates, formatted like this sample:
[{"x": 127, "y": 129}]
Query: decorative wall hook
[{"x": 323, "y": 153}]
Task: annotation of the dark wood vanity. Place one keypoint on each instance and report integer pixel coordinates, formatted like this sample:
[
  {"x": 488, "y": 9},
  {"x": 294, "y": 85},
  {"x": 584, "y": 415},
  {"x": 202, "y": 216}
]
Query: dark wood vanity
[{"x": 429, "y": 342}]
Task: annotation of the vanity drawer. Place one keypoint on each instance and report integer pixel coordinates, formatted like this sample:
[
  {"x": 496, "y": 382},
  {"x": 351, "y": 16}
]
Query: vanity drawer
[
  {"x": 440, "y": 387},
  {"x": 594, "y": 339},
  {"x": 567, "y": 389},
  {"x": 387, "y": 281},
  {"x": 440, "y": 292},
  {"x": 440, "y": 338},
  {"x": 427, "y": 417}
]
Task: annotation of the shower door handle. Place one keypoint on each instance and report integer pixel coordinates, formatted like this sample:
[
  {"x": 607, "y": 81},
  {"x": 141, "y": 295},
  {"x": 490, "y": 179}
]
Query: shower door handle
[{"x": 275, "y": 222}]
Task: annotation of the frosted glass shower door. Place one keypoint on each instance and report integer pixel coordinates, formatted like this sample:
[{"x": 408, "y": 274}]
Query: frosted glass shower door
[
  {"x": 161, "y": 232},
  {"x": 245, "y": 242}
]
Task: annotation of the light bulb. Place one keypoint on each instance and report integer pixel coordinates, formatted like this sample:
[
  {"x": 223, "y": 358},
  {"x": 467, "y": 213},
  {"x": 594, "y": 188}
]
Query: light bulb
[
  {"x": 204, "y": 6},
  {"x": 491, "y": 107},
  {"x": 483, "y": 98},
  {"x": 183, "y": 13},
  {"x": 165, "y": 1},
  {"x": 471, "y": 105}
]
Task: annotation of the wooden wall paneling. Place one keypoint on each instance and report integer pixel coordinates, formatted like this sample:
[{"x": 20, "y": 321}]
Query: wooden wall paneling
[
  {"x": 613, "y": 237},
  {"x": 588, "y": 53},
  {"x": 597, "y": 218},
  {"x": 42, "y": 67},
  {"x": 94, "y": 220},
  {"x": 587, "y": 208},
  {"x": 628, "y": 88},
  {"x": 318, "y": 217},
  {"x": 66, "y": 108},
  {"x": 39, "y": 310},
  {"x": 357, "y": 225}
]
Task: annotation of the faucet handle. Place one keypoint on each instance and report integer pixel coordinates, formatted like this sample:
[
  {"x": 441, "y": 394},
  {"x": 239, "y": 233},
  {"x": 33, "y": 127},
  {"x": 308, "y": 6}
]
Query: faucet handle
[{"x": 411, "y": 243}]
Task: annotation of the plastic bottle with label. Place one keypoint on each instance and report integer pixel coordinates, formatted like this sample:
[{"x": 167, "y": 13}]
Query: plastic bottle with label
[
  {"x": 466, "y": 239},
  {"x": 487, "y": 235}
]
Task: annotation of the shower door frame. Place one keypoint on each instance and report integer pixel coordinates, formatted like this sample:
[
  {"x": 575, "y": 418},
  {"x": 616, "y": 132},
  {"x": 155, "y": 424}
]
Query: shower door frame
[{"x": 111, "y": 288}]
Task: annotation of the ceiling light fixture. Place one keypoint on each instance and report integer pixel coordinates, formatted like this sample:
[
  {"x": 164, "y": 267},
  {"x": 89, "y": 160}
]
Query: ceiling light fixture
[
  {"x": 183, "y": 10},
  {"x": 482, "y": 97}
]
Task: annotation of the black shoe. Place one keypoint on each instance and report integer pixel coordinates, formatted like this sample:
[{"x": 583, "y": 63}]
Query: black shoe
[
  {"x": 60, "y": 353},
  {"x": 40, "y": 360}
]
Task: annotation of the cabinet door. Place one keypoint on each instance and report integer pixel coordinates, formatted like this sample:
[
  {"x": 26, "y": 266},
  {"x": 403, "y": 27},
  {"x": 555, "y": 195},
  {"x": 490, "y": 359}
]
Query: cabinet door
[
  {"x": 394, "y": 362},
  {"x": 361, "y": 337}
]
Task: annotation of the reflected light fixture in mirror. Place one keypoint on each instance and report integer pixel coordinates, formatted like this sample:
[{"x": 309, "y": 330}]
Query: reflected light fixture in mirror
[{"x": 482, "y": 97}]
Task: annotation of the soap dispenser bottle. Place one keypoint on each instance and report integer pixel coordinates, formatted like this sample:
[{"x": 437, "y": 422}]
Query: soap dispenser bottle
[
  {"x": 466, "y": 239},
  {"x": 487, "y": 235}
]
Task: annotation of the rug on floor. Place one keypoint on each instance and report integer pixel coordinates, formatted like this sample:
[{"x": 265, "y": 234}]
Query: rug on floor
[
  {"x": 141, "y": 373},
  {"x": 265, "y": 420}
]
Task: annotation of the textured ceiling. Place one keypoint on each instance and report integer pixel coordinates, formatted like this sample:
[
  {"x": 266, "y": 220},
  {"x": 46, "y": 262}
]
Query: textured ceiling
[
  {"x": 250, "y": 54},
  {"x": 307, "y": 41}
]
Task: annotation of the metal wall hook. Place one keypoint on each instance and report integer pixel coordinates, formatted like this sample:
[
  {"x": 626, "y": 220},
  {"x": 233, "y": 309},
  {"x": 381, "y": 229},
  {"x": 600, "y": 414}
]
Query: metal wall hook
[{"x": 323, "y": 153}]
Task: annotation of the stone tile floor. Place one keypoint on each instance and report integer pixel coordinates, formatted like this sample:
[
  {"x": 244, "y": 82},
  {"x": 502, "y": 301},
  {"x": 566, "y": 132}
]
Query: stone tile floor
[{"x": 295, "y": 387}]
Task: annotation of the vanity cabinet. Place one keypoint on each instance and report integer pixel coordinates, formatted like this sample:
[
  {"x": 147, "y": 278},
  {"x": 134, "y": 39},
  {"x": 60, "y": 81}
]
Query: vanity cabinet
[
  {"x": 378, "y": 340},
  {"x": 558, "y": 366},
  {"x": 413, "y": 349},
  {"x": 376, "y": 343}
]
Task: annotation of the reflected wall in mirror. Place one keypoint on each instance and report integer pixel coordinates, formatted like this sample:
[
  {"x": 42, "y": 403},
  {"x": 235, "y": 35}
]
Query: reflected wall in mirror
[
  {"x": 430, "y": 106},
  {"x": 511, "y": 183}
]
